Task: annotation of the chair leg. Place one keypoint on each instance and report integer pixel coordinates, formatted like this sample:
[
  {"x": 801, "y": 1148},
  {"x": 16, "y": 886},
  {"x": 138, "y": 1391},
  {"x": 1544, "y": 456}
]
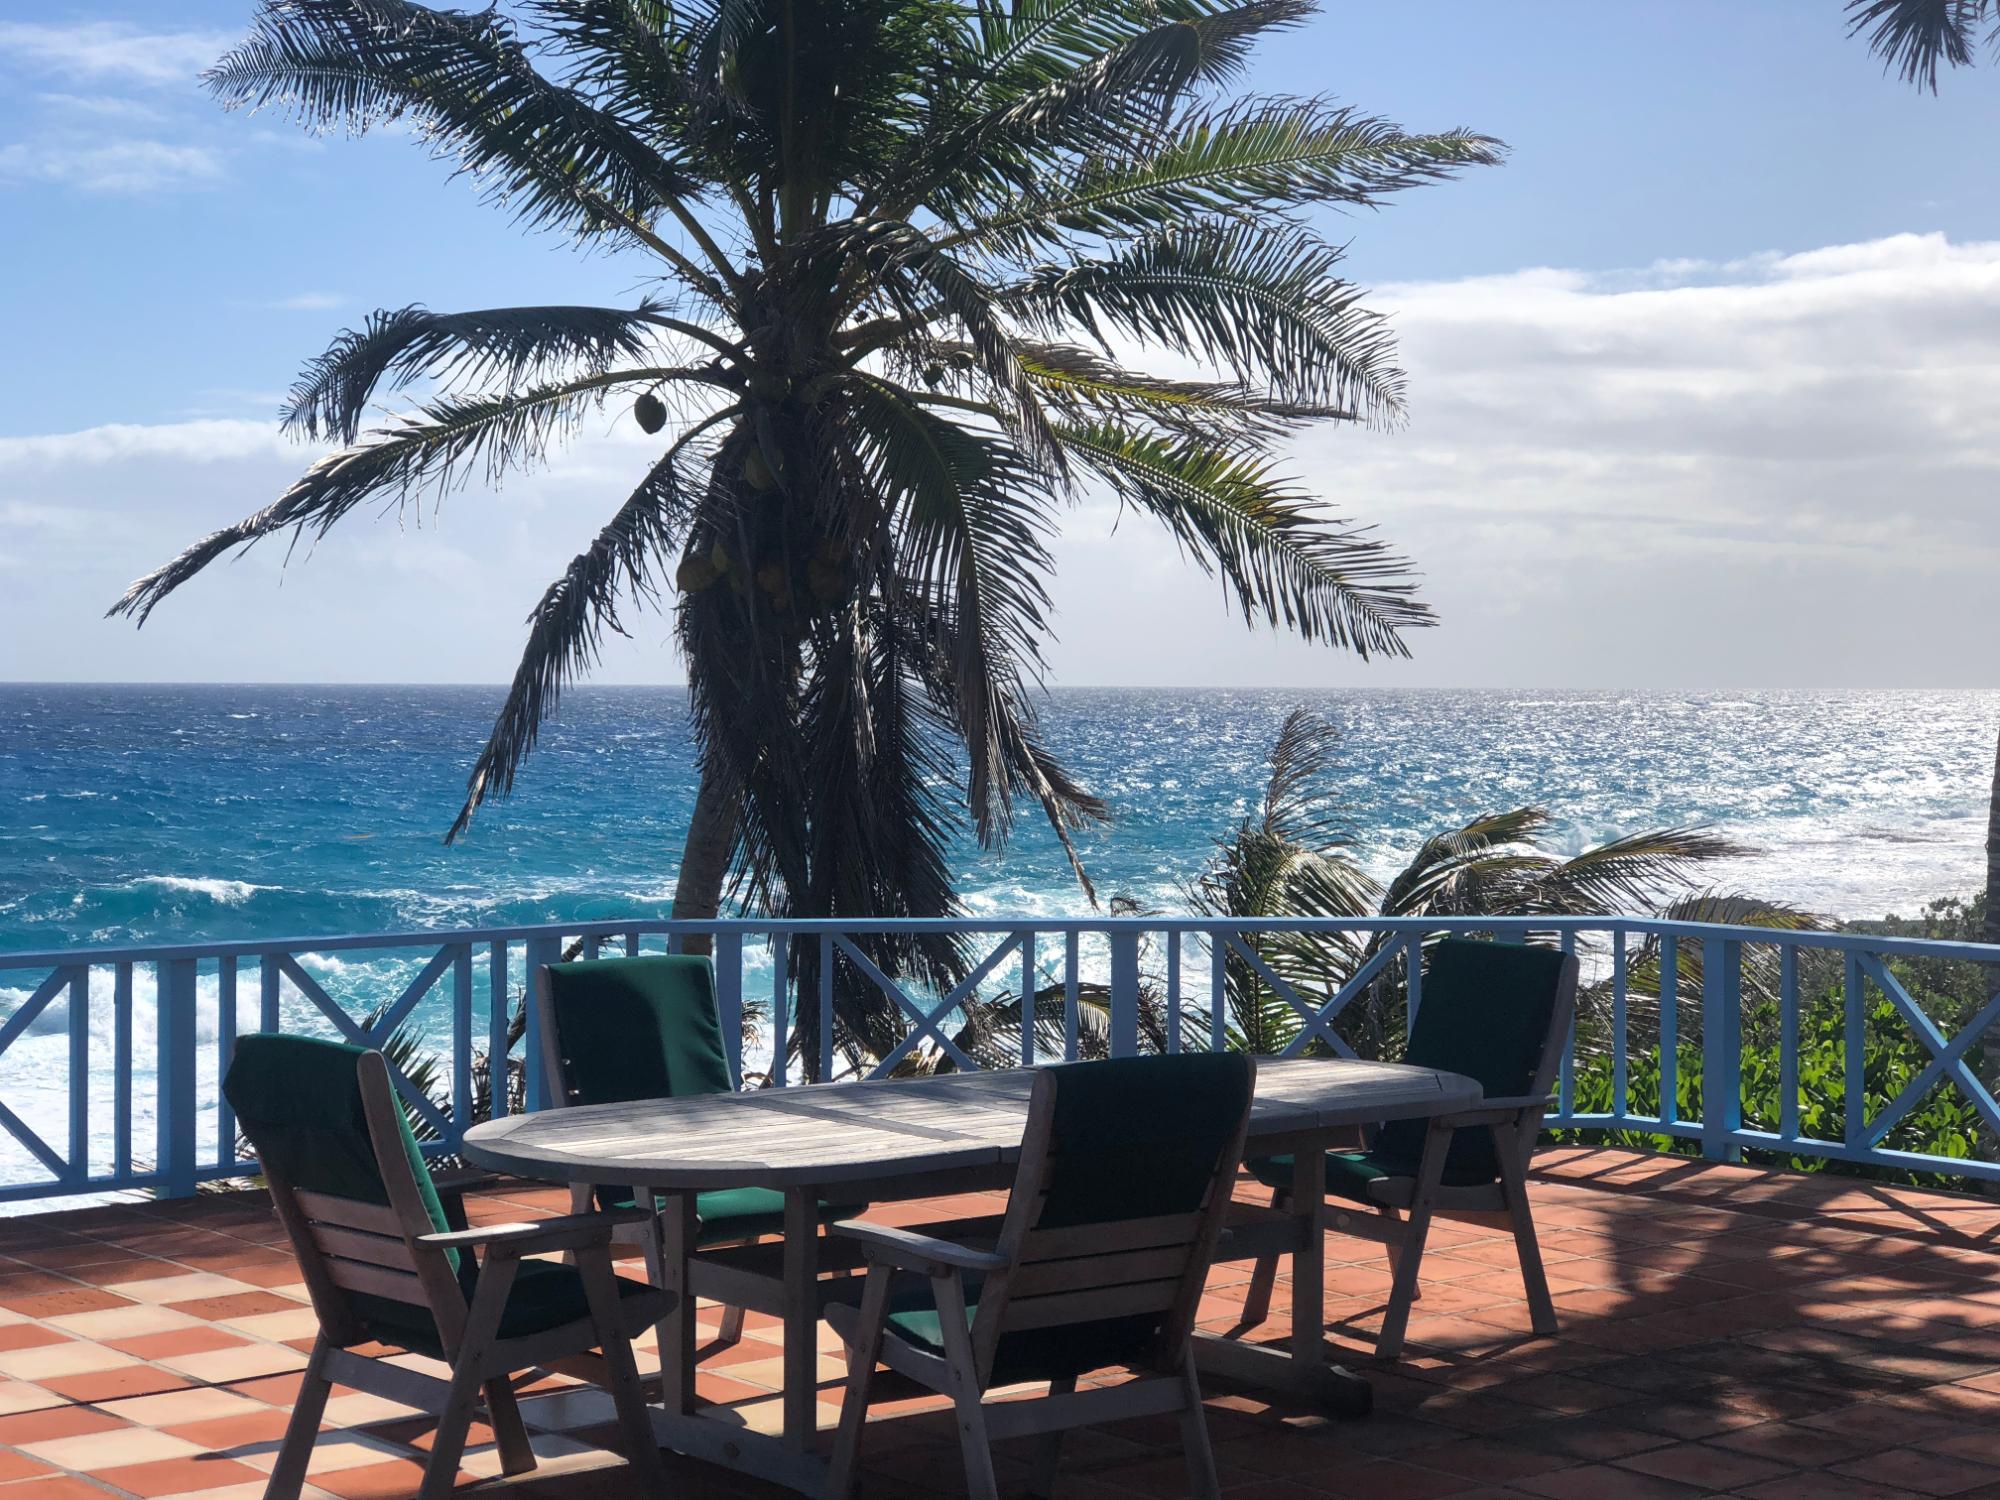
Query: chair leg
[
  {"x": 468, "y": 1374},
  {"x": 1202, "y": 1481},
  {"x": 1514, "y": 1181},
  {"x": 1257, "y": 1299},
  {"x": 1403, "y": 1291},
  {"x": 732, "y": 1325},
  {"x": 1392, "y": 1221},
  {"x": 621, "y": 1371},
  {"x": 288, "y": 1476},
  {"x": 1048, "y": 1449},
  {"x": 516, "y": 1455},
  {"x": 980, "y": 1483},
  {"x": 845, "y": 1467}
]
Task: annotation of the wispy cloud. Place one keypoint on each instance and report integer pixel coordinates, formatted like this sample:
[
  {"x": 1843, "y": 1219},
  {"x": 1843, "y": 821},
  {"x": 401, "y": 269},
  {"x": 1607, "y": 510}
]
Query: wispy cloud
[
  {"x": 111, "y": 165},
  {"x": 100, "y": 107},
  {"x": 306, "y": 302},
  {"x": 110, "y": 50}
]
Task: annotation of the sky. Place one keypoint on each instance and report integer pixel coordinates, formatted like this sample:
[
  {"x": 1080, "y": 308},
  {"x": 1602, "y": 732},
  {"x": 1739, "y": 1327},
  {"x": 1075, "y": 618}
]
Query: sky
[{"x": 1703, "y": 381}]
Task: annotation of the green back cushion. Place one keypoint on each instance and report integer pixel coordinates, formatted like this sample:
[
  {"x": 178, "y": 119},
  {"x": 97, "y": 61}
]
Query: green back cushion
[
  {"x": 1485, "y": 1013},
  {"x": 638, "y": 1028},
  {"x": 1132, "y": 1138},
  {"x": 298, "y": 1099}
]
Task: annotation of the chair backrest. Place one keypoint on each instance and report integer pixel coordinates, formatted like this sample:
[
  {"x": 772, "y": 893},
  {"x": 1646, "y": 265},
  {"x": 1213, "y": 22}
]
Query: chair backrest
[
  {"x": 350, "y": 1188},
  {"x": 1126, "y": 1172},
  {"x": 619, "y": 1029},
  {"x": 1496, "y": 1012}
]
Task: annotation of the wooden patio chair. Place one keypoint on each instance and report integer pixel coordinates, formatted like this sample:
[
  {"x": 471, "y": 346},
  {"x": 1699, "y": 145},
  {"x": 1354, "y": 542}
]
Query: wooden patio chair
[
  {"x": 619, "y": 1029},
  {"x": 1497, "y": 1012},
  {"x": 1099, "y": 1261},
  {"x": 385, "y": 1262}
]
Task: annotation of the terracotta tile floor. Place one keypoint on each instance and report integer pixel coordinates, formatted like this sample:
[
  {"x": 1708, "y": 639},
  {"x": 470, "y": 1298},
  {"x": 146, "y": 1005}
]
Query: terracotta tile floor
[{"x": 1725, "y": 1331}]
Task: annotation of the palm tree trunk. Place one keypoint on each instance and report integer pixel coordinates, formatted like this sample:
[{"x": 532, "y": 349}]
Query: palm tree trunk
[{"x": 711, "y": 837}]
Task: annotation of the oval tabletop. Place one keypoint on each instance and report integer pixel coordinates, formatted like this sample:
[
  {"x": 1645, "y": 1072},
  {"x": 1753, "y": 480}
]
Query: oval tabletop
[{"x": 851, "y": 1132}]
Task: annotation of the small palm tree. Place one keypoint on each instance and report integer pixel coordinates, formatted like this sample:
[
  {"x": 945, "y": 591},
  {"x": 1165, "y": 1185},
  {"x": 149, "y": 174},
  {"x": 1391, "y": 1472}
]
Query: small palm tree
[
  {"x": 900, "y": 250},
  {"x": 1295, "y": 858}
]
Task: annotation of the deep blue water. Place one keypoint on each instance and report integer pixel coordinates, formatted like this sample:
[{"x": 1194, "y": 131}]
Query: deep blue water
[{"x": 179, "y": 813}]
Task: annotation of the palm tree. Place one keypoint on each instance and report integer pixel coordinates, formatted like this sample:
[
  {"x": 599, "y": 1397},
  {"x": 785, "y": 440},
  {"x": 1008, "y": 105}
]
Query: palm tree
[
  {"x": 1294, "y": 857},
  {"x": 1915, "y": 36},
  {"x": 901, "y": 252}
]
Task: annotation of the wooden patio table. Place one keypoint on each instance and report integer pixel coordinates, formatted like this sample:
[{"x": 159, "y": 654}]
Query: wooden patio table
[{"x": 899, "y": 1139}]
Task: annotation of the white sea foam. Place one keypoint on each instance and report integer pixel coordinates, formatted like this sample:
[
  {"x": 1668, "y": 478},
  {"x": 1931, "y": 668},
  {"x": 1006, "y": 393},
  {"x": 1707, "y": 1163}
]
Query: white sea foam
[{"x": 216, "y": 888}]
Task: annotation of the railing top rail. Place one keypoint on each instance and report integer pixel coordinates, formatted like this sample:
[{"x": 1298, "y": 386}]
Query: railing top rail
[{"x": 767, "y": 926}]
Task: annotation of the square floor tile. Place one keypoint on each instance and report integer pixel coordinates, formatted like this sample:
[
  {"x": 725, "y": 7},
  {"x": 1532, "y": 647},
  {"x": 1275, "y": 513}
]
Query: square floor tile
[
  {"x": 187, "y": 1287},
  {"x": 110, "y": 1450},
  {"x": 76, "y": 1357}
]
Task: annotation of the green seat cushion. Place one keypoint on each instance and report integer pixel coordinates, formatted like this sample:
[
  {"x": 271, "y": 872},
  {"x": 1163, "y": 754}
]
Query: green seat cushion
[
  {"x": 1028, "y": 1354},
  {"x": 734, "y": 1213},
  {"x": 1350, "y": 1173},
  {"x": 545, "y": 1295},
  {"x": 638, "y": 1028},
  {"x": 1486, "y": 1013},
  {"x": 298, "y": 1099}
]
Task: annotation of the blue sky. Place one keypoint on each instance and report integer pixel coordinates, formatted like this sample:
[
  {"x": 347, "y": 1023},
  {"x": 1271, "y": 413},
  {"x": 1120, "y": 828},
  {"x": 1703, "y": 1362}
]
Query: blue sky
[{"x": 1708, "y": 352}]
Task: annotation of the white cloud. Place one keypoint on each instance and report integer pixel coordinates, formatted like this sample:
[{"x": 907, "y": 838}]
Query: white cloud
[
  {"x": 204, "y": 441},
  {"x": 306, "y": 302},
  {"x": 111, "y": 166},
  {"x": 1774, "y": 471},
  {"x": 110, "y": 50},
  {"x": 100, "y": 106}
]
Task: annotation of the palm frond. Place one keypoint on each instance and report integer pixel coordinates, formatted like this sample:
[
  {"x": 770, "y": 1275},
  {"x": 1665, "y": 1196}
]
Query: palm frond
[
  {"x": 1087, "y": 388},
  {"x": 1915, "y": 37},
  {"x": 431, "y": 451},
  {"x": 467, "y": 82},
  {"x": 1635, "y": 872},
  {"x": 1251, "y": 157},
  {"x": 496, "y": 346},
  {"x": 1277, "y": 553},
  {"x": 1259, "y": 298},
  {"x": 566, "y": 629},
  {"x": 972, "y": 541}
]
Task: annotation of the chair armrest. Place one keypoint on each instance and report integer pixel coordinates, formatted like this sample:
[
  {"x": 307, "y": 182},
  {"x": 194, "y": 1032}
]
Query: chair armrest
[
  {"x": 569, "y": 1232},
  {"x": 910, "y": 1251}
]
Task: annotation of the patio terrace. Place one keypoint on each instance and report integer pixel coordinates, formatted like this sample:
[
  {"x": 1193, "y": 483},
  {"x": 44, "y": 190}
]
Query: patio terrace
[{"x": 1726, "y": 1330}]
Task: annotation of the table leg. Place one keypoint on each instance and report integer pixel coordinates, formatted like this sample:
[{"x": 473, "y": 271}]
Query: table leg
[
  {"x": 1309, "y": 1259},
  {"x": 677, "y": 1328},
  {"x": 801, "y": 1313},
  {"x": 1303, "y": 1368}
]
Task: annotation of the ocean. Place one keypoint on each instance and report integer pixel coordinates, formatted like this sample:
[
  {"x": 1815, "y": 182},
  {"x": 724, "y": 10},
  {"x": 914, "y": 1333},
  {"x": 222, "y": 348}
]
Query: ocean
[{"x": 134, "y": 815}]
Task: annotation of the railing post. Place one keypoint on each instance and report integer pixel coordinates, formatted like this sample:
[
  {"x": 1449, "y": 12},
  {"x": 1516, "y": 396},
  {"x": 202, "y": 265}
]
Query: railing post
[
  {"x": 1721, "y": 1049},
  {"x": 1124, "y": 993},
  {"x": 499, "y": 1019},
  {"x": 1854, "y": 1025},
  {"x": 175, "y": 1143}
]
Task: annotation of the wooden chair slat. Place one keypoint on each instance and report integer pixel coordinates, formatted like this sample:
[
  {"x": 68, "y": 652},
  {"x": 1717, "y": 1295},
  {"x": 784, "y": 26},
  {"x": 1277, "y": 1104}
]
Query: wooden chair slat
[
  {"x": 350, "y": 1213},
  {"x": 377, "y": 1281},
  {"x": 1124, "y": 1234},
  {"x": 1084, "y": 1271},
  {"x": 1078, "y": 1307},
  {"x": 376, "y": 1249}
]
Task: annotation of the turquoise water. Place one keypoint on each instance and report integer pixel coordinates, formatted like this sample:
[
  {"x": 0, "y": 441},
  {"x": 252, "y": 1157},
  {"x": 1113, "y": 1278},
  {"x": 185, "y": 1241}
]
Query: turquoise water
[
  {"x": 147, "y": 814},
  {"x": 158, "y": 815}
]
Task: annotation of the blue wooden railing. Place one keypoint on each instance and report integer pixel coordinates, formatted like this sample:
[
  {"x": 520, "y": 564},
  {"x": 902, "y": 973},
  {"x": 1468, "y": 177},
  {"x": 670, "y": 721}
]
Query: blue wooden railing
[{"x": 116, "y": 1051}]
